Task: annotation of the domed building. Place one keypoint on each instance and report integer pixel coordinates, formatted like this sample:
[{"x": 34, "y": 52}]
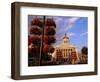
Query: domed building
[{"x": 66, "y": 51}]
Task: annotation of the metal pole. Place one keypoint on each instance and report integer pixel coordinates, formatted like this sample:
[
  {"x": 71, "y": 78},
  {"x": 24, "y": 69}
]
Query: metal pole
[{"x": 42, "y": 37}]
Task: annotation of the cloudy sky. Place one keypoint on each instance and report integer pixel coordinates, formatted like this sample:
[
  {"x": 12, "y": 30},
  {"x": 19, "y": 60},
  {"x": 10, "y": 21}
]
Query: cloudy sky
[{"x": 76, "y": 29}]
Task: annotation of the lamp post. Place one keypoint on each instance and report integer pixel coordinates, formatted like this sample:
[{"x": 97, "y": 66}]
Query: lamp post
[{"x": 41, "y": 48}]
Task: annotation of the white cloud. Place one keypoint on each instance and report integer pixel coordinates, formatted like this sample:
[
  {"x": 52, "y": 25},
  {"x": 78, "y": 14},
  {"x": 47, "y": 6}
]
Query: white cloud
[
  {"x": 70, "y": 34},
  {"x": 68, "y": 24},
  {"x": 71, "y": 22},
  {"x": 57, "y": 19},
  {"x": 84, "y": 33}
]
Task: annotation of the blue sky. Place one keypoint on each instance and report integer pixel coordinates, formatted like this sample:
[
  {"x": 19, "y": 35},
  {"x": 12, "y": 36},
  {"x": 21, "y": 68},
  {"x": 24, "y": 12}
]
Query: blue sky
[{"x": 76, "y": 29}]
